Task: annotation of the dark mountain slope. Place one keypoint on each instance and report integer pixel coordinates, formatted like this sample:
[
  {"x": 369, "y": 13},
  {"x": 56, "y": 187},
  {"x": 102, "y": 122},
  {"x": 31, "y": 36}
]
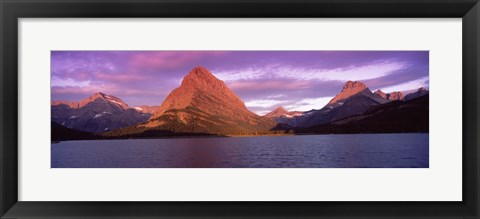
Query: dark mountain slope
[
  {"x": 97, "y": 113},
  {"x": 393, "y": 117},
  {"x": 62, "y": 133},
  {"x": 354, "y": 99}
]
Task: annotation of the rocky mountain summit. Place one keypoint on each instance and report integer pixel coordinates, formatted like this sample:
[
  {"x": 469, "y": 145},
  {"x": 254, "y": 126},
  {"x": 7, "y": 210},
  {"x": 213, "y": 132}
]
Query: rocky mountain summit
[
  {"x": 281, "y": 112},
  {"x": 355, "y": 98},
  {"x": 392, "y": 117},
  {"x": 205, "y": 104},
  {"x": 282, "y": 116},
  {"x": 392, "y": 96},
  {"x": 420, "y": 92},
  {"x": 97, "y": 113},
  {"x": 350, "y": 88}
]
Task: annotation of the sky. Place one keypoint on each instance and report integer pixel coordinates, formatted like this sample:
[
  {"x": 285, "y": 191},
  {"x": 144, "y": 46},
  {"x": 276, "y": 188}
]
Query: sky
[{"x": 264, "y": 80}]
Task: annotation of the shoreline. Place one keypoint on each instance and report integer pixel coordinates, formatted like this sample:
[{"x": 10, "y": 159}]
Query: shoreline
[{"x": 233, "y": 136}]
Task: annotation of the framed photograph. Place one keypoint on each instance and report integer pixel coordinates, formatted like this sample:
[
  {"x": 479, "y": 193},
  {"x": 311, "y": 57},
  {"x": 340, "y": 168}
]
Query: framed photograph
[{"x": 127, "y": 109}]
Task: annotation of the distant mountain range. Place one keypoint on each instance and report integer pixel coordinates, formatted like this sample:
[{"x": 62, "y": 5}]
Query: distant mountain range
[
  {"x": 419, "y": 93},
  {"x": 397, "y": 95},
  {"x": 393, "y": 117},
  {"x": 204, "y": 105},
  {"x": 354, "y": 99},
  {"x": 98, "y": 113}
]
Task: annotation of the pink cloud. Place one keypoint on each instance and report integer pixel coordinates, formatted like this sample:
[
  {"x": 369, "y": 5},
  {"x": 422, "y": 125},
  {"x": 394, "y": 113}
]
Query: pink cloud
[
  {"x": 108, "y": 89},
  {"x": 87, "y": 90},
  {"x": 121, "y": 77},
  {"x": 78, "y": 75},
  {"x": 262, "y": 85},
  {"x": 169, "y": 60}
]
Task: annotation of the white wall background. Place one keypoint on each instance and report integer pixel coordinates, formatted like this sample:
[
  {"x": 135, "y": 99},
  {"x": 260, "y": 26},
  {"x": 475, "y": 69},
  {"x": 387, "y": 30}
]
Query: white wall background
[{"x": 441, "y": 182}]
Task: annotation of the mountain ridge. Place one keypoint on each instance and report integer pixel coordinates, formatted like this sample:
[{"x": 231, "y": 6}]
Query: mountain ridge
[
  {"x": 97, "y": 113},
  {"x": 355, "y": 98},
  {"x": 394, "y": 117},
  {"x": 204, "y": 104}
]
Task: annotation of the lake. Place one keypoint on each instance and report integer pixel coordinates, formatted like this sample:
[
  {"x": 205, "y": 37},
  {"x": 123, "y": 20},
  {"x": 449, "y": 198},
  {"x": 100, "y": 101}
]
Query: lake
[{"x": 299, "y": 151}]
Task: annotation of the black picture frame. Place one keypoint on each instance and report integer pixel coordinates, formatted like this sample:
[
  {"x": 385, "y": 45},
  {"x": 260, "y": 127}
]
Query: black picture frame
[{"x": 12, "y": 10}]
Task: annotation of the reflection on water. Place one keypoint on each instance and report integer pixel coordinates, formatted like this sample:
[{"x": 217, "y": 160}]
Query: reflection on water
[{"x": 307, "y": 151}]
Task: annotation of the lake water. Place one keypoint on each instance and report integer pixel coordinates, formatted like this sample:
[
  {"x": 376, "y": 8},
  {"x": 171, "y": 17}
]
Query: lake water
[{"x": 301, "y": 151}]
